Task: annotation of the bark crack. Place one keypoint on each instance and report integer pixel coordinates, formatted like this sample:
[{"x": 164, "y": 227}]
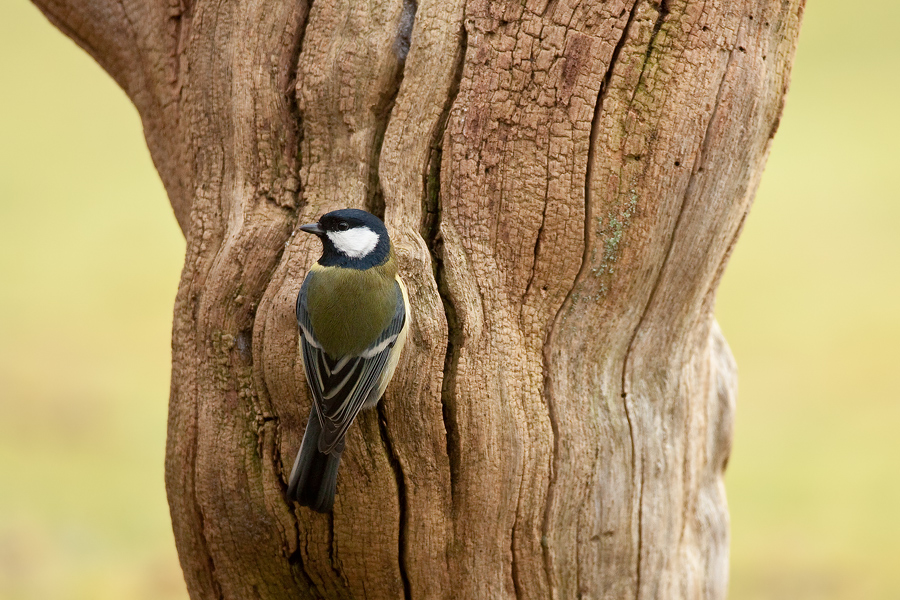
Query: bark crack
[
  {"x": 431, "y": 233},
  {"x": 663, "y": 11},
  {"x": 567, "y": 302},
  {"x": 397, "y": 468},
  {"x": 404, "y": 31},
  {"x": 698, "y": 168},
  {"x": 537, "y": 240},
  {"x": 385, "y": 106}
]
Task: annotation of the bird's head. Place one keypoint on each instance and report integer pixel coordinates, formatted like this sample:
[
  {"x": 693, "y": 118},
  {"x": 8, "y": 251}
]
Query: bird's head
[{"x": 351, "y": 238}]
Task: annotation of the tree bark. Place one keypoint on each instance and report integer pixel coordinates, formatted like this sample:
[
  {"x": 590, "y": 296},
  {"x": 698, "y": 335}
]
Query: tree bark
[{"x": 563, "y": 183}]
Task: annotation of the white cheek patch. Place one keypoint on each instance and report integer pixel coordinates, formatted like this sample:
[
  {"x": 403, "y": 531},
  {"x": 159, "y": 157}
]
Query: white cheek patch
[{"x": 356, "y": 242}]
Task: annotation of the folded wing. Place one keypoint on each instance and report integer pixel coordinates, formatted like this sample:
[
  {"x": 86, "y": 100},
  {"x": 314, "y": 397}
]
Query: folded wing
[{"x": 342, "y": 386}]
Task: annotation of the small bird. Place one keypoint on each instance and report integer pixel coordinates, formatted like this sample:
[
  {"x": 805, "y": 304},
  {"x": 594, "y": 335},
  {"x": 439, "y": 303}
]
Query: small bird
[{"x": 353, "y": 315}]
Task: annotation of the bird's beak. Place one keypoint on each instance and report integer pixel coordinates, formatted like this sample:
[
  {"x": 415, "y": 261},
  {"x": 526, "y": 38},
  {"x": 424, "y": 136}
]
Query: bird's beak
[{"x": 312, "y": 228}]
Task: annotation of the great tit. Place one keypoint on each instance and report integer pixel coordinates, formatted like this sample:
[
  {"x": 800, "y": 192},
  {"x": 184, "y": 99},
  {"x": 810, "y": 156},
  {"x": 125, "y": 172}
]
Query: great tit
[{"x": 353, "y": 315}]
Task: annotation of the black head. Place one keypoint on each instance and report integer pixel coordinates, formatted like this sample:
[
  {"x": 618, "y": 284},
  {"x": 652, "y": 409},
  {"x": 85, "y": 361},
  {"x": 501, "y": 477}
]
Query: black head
[{"x": 351, "y": 238}]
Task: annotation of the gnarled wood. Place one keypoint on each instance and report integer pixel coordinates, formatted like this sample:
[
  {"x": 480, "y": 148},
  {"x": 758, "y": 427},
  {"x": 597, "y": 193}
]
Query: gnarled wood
[{"x": 563, "y": 182}]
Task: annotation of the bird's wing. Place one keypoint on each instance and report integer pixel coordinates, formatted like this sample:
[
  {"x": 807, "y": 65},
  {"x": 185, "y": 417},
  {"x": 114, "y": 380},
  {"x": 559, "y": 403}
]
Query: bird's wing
[{"x": 340, "y": 387}]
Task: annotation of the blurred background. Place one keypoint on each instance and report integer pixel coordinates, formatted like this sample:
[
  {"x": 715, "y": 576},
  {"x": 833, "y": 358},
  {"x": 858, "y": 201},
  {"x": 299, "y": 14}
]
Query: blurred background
[{"x": 90, "y": 257}]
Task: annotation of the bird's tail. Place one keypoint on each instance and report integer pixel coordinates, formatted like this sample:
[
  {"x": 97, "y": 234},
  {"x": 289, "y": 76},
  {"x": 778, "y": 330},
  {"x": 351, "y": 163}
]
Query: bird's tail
[{"x": 314, "y": 475}]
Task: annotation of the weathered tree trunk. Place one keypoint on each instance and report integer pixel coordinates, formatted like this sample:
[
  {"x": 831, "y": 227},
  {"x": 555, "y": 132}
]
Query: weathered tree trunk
[{"x": 563, "y": 182}]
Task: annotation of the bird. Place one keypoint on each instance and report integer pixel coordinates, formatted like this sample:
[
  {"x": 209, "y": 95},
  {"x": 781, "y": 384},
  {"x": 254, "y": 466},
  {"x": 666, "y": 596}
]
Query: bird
[{"x": 353, "y": 316}]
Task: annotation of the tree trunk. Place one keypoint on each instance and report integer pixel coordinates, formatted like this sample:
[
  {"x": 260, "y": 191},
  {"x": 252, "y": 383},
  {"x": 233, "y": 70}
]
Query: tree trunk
[{"x": 563, "y": 183}]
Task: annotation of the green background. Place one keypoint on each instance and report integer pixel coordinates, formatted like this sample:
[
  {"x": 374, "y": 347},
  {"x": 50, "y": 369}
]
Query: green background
[{"x": 90, "y": 256}]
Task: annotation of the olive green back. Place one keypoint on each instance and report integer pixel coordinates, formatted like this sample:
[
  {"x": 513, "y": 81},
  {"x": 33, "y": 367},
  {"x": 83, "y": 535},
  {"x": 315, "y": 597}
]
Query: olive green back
[{"x": 349, "y": 308}]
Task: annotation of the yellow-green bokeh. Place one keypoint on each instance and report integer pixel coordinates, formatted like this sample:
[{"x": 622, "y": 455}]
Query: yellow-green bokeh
[
  {"x": 90, "y": 257},
  {"x": 89, "y": 263},
  {"x": 811, "y": 307}
]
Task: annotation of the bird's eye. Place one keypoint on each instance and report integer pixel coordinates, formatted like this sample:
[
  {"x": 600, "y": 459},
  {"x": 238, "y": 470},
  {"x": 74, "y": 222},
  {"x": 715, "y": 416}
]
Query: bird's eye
[{"x": 343, "y": 226}]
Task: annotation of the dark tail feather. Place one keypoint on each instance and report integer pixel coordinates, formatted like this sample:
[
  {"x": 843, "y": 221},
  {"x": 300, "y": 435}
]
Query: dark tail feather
[{"x": 314, "y": 475}]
